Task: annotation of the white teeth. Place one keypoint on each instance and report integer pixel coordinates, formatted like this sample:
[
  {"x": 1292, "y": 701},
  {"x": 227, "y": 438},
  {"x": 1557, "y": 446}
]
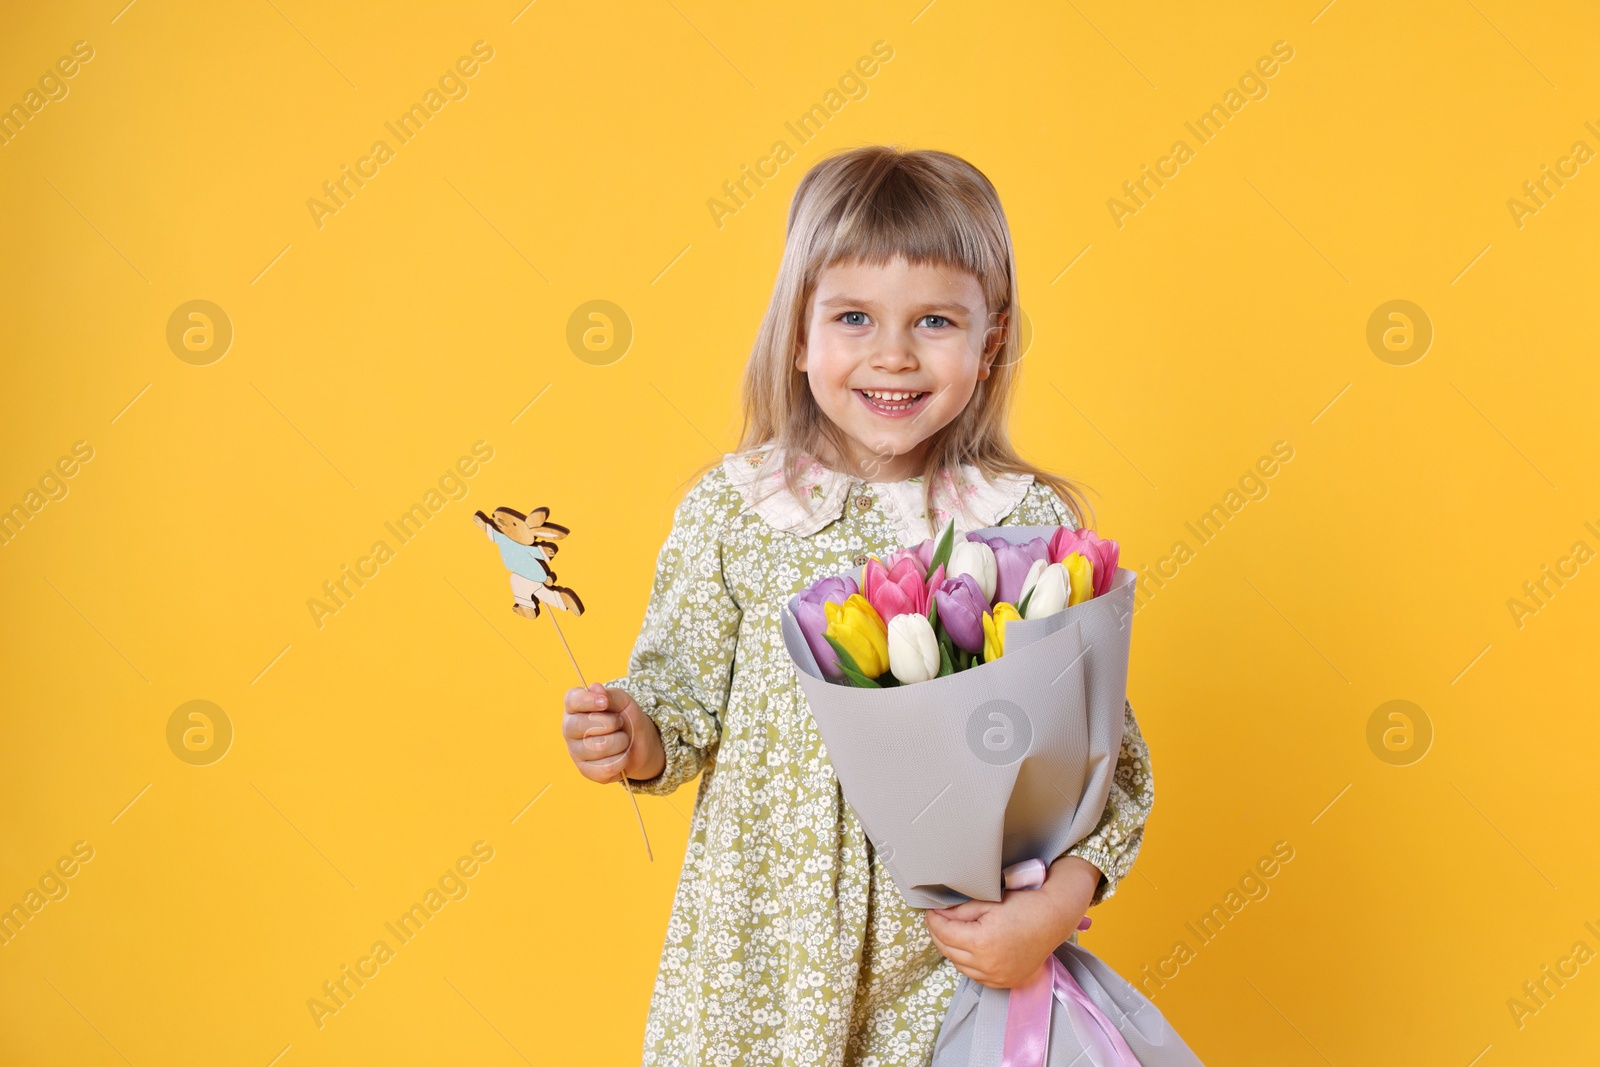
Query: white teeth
[{"x": 889, "y": 397}]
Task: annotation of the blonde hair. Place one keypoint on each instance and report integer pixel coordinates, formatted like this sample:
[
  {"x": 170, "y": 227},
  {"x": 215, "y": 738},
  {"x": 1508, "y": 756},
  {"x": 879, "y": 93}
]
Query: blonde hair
[{"x": 869, "y": 205}]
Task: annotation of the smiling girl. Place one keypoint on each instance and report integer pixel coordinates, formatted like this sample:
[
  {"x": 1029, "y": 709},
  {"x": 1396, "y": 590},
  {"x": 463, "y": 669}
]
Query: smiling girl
[{"x": 876, "y": 403}]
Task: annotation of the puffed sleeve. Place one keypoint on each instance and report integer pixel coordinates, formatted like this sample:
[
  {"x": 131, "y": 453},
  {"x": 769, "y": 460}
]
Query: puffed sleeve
[
  {"x": 682, "y": 663},
  {"x": 1114, "y": 842}
]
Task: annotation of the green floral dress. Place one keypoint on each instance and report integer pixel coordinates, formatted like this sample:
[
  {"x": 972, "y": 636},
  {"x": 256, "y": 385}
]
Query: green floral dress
[{"x": 788, "y": 942}]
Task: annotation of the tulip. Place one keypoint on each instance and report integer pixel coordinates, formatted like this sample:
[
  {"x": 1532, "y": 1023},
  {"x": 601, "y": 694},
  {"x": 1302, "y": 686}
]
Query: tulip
[
  {"x": 913, "y": 649},
  {"x": 1102, "y": 554},
  {"x": 1050, "y": 593},
  {"x": 813, "y": 620},
  {"x": 977, "y": 559},
  {"x": 900, "y": 590},
  {"x": 1035, "y": 572},
  {"x": 860, "y": 631},
  {"x": 961, "y": 606},
  {"x": 994, "y": 630},
  {"x": 1081, "y": 573},
  {"x": 922, "y": 553},
  {"x": 1012, "y": 563}
]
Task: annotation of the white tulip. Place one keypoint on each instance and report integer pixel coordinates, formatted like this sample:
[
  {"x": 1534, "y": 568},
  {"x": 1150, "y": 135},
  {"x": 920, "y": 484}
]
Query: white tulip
[
  {"x": 977, "y": 559},
  {"x": 1033, "y": 575},
  {"x": 1049, "y": 593},
  {"x": 913, "y": 648}
]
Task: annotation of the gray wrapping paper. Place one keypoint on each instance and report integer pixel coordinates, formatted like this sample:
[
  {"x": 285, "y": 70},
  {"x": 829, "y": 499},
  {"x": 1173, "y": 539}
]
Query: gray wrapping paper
[
  {"x": 957, "y": 777},
  {"x": 974, "y": 1027}
]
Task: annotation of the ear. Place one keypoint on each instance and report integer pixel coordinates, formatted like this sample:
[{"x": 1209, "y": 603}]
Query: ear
[
  {"x": 800, "y": 355},
  {"x": 550, "y": 530},
  {"x": 509, "y": 513},
  {"x": 994, "y": 338},
  {"x": 537, "y": 516}
]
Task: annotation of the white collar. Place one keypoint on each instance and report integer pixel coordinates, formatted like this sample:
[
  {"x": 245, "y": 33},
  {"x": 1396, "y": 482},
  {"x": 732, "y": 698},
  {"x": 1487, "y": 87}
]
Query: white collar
[{"x": 758, "y": 476}]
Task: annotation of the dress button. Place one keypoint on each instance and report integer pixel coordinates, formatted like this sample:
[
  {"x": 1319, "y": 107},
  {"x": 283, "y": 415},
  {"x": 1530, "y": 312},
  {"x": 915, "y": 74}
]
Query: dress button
[
  {"x": 864, "y": 501},
  {"x": 861, "y": 559}
]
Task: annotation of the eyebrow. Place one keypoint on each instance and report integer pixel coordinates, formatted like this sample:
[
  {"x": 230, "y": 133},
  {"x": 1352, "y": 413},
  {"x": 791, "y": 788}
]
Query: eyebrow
[{"x": 922, "y": 309}]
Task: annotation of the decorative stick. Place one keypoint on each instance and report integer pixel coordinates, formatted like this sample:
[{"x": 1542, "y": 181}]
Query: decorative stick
[
  {"x": 526, "y": 545},
  {"x": 631, "y": 798}
]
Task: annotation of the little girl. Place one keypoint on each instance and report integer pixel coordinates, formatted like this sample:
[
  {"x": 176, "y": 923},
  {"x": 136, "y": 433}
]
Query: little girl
[{"x": 875, "y": 405}]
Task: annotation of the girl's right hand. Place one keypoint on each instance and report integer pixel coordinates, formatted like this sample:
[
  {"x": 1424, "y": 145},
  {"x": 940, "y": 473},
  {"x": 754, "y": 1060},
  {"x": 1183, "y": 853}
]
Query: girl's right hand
[{"x": 598, "y": 724}]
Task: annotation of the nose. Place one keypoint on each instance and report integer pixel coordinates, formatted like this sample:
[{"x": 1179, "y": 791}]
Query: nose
[{"x": 895, "y": 351}]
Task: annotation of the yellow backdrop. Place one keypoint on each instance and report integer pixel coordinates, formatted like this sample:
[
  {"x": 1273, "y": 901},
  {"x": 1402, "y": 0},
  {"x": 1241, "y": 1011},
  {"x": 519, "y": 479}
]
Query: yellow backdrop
[{"x": 1326, "y": 365}]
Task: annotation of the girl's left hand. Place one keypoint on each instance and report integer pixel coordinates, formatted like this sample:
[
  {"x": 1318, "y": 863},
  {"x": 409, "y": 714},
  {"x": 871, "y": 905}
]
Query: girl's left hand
[{"x": 1003, "y": 945}]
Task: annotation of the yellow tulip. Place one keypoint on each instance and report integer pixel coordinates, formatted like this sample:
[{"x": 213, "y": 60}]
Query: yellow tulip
[
  {"x": 857, "y": 626},
  {"x": 994, "y": 630},
  {"x": 1081, "y": 570}
]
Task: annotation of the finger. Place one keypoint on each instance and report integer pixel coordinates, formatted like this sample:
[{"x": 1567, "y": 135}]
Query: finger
[
  {"x": 605, "y": 770},
  {"x": 959, "y": 956},
  {"x": 600, "y": 746},
  {"x": 587, "y": 698},
  {"x": 949, "y": 932},
  {"x": 966, "y": 911},
  {"x": 602, "y": 773},
  {"x": 583, "y": 724},
  {"x": 602, "y": 722}
]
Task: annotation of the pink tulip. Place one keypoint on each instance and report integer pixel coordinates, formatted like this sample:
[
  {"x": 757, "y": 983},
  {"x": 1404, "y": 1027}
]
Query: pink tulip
[
  {"x": 901, "y": 589},
  {"x": 1102, "y": 555},
  {"x": 922, "y": 553}
]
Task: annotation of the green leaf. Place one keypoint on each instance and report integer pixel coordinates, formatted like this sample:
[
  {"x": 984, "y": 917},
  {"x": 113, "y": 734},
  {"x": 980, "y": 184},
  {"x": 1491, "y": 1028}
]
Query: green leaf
[
  {"x": 942, "y": 547},
  {"x": 945, "y": 666},
  {"x": 859, "y": 680},
  {"x": 1022, "y": 605},
  {"x": 846, "y": 660},
  {"x": 933, "y": 613},
  {"x": 847, "y": 664}
]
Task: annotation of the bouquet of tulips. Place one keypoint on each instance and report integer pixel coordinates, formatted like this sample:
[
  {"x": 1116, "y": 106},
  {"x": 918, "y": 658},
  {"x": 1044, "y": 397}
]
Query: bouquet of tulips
[
  {"x": 941, "y": 606},
  {"x": 971, "y": 694},
  {"x": 994, "y": 667}
]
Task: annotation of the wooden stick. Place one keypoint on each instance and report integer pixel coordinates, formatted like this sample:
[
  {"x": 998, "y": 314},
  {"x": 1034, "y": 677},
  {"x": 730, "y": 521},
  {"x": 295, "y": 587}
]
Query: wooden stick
[{"x": 579, "y": 671}]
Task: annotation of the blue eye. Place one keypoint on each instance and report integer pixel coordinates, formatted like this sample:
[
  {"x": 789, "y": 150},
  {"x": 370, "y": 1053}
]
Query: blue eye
[
  {"x": 936, "y": 317},
  {"x": 847, "y": 314}
]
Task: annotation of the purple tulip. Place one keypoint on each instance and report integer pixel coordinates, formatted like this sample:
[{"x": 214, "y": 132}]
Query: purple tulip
[
  {"x": 1012, "y": 563},
  {"x": 813, "y": 621},
  {"x": 961, "y": 608}
]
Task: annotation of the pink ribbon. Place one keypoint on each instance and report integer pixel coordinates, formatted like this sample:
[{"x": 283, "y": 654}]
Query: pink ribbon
[
  {"x": 1030, "y": 1005},
  {"x": 1027, "y": 1040}
]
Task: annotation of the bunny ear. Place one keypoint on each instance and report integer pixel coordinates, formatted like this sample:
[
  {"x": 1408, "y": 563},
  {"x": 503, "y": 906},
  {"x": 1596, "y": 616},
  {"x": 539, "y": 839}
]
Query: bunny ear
[
  {"x": 537, "y": 516},
  {"x": 551, "y": 530},
  {"x": 519, "y": 516}
]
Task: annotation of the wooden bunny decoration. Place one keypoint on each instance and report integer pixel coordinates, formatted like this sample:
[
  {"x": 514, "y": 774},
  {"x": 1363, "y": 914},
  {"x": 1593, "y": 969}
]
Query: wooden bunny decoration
[{"x": 526, "y": 546}]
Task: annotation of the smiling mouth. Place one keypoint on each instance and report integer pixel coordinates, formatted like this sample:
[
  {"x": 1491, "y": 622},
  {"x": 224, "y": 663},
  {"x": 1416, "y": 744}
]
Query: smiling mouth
[{"x": 892, "y": 401}]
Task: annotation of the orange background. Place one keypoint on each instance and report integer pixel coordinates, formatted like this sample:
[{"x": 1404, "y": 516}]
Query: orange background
[{"x": 431, "y": 312}]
